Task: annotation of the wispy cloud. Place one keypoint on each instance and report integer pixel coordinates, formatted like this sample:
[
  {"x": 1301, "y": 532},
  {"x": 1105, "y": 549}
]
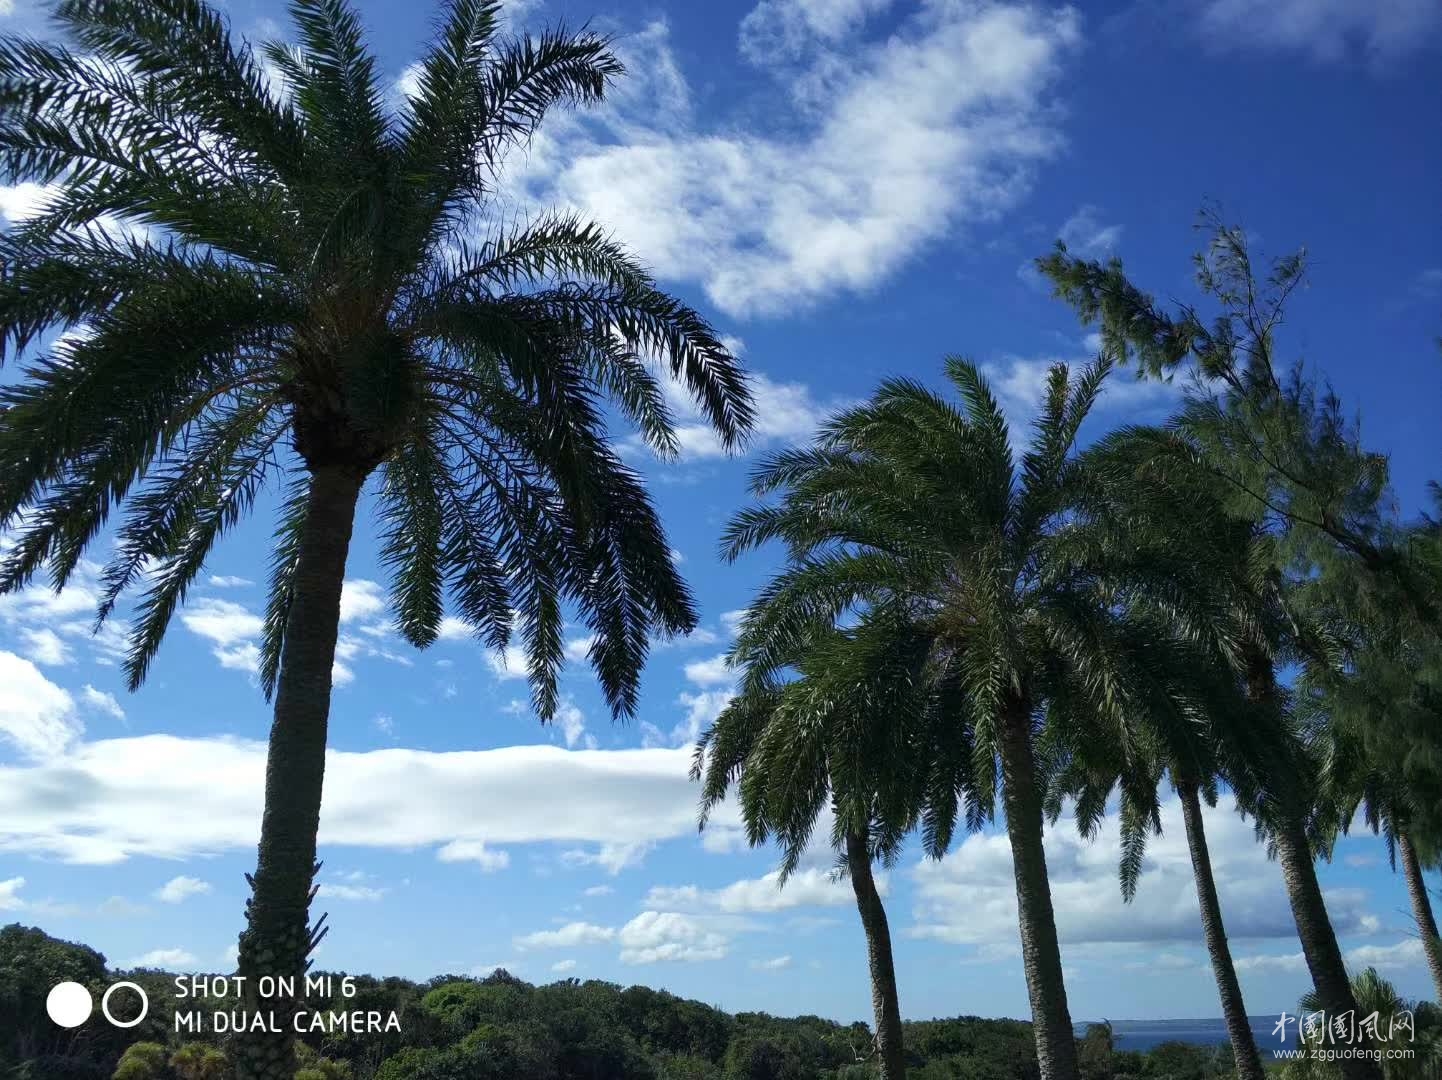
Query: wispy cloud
[
  {"x": 179, "y": 889},
  {"x": 936, "y": 126},
  {"x": 1326, "y": 30}
]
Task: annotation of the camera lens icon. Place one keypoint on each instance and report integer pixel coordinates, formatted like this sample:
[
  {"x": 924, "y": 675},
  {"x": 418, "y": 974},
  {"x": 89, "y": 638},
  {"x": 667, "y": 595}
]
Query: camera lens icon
[{"x": 69, "y": 1004}]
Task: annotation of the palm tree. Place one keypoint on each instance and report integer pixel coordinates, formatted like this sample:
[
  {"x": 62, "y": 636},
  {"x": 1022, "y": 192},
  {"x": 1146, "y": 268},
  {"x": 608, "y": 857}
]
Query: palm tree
[
  {"x": 1338, "y": 706},
  {"x": 305, "y": 286},
  {"x": 1377, "y": 997},
  {"x": 1202, "y": 731},
  {"x": 909, "y": 513},
  {"x": 837, "y": 717}
]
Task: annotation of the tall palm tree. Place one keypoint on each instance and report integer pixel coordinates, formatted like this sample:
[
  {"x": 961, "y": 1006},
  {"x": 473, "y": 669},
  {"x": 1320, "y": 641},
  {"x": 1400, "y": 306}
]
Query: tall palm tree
[
  {"x": 1338, "y": 706},
  {"x": 1202, "y": 730},
  {"x": 1013, "y": 582},
  {"x": 1293, "y": 466},
  {"x": 838, "y": 717},
  {"x": 302, "y": 285}
]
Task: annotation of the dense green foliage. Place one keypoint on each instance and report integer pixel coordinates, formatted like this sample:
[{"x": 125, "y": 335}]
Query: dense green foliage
[{"x": 457, "y": 1028}]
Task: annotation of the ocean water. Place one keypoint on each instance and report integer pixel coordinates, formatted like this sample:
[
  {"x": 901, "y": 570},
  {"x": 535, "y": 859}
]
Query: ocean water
[{"x": 1145, "y": 1034}]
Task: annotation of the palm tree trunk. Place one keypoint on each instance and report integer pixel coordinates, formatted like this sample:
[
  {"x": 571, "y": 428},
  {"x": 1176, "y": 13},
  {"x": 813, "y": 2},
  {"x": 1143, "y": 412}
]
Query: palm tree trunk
[
  {"x": 277, "y": 940},
  {"x": 1299, "y": 874},
  {"x": 1319, "y": 942},
  {"x": 884, "y": 999},
  {"x": 1234, "y": 1011},
  {"x": 1422, "y": 910},
  {"x": 1041, "y": 955}
]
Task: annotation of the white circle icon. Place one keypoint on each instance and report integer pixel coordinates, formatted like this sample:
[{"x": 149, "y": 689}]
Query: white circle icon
[
  {"x": 69, "y": 1004},
  {"x": 105, "y": 1004}
]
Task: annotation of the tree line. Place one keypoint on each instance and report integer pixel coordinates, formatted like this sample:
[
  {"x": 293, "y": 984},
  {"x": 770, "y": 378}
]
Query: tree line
[
  {"x": 311, "y": 291},
  {"x": 456, "y": 1027}
]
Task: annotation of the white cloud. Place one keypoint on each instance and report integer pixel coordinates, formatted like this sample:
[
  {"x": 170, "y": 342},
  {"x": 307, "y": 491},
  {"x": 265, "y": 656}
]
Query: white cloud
[
  {"x": 23, "y": 201},
  {"x": 1327, "y": 30},
  {"x": 700, "y": 636},
  {"x": 408, "y": 85},
  {"x": 812, "y": 887},
  {"x": 1084, "y": 234},
  {"x": 360, "y": 599},
  {"x": 702, "y": 709},
  {"x": 712, "y": 672},
  {"x": 9, "y": 888},
  {"x": 599, "y": 890},
  {"x": 731, "y": 620},
  {"x": 660, "y": 936},
  {"x": 35, "y": 714},
  {"x": 969, "y": 897},
  {"x": 571, "y": 720},
  {"x": 179, "y": 889},
  {"x": 510, "y": 664},
  {"x": 1407, "y": 953},
  {"x": 107, "y": 800},
  {"x": 223, "y": 622},
  {"x": 893, "y": 143},
  {"x": 560, "y": 967},
  {"x": 226, "y": 581},
  {"x": 121, "y": 908},
  {"x": 611, "y": 857},
  {"x": 1020, "y": 387},
  {"x": 723, "y": 840},
  {"x": 234, "y": 631},
  {"x": 474, "y": 851},
  {"x": 349, "y": 892},
  {"x": 1270, "y": 962},
  {"x": 784, "y": 29},
  {"x": 170, "y": 959},
  {"x": 786, "y": 412},
  {"x": 454, "y": 629},
  {"x": 577, "y": 649},
  {"x": 776, "y": 963},
  {"x": 569, "y": 936},
  {"x": 44, "y": 646},
  {"x": 101, "y": 701}
]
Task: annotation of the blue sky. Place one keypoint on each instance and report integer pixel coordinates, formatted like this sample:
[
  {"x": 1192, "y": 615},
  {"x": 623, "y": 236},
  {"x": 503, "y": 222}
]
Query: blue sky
[{"x": 850, "y": 189}]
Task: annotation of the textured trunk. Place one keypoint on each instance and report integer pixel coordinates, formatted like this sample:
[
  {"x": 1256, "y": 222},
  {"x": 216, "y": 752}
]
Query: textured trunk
[
  {"x": 277, "y": 939},
  {"x": 1239, "y": 1030},
  {"x": 1299, "y": 874},
  {"x": 1319, "y": 942},
  {"x": 884, "y": 999},
  {"x": 1422, "y": 910},
  {"x": 1041, "y": 955}
]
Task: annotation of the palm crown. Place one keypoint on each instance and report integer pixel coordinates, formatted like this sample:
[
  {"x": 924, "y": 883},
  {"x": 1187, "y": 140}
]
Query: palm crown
[
  {"x": 1028, "y": 585},
  {"x": 947, "y": 609},
  {"x": 247, "y": 272}
]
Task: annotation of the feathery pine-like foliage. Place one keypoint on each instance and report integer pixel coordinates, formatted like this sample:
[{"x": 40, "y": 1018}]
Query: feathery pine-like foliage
[
  {"x": 1288, "y": 454},
  {"x": 247, "y": 269}
]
